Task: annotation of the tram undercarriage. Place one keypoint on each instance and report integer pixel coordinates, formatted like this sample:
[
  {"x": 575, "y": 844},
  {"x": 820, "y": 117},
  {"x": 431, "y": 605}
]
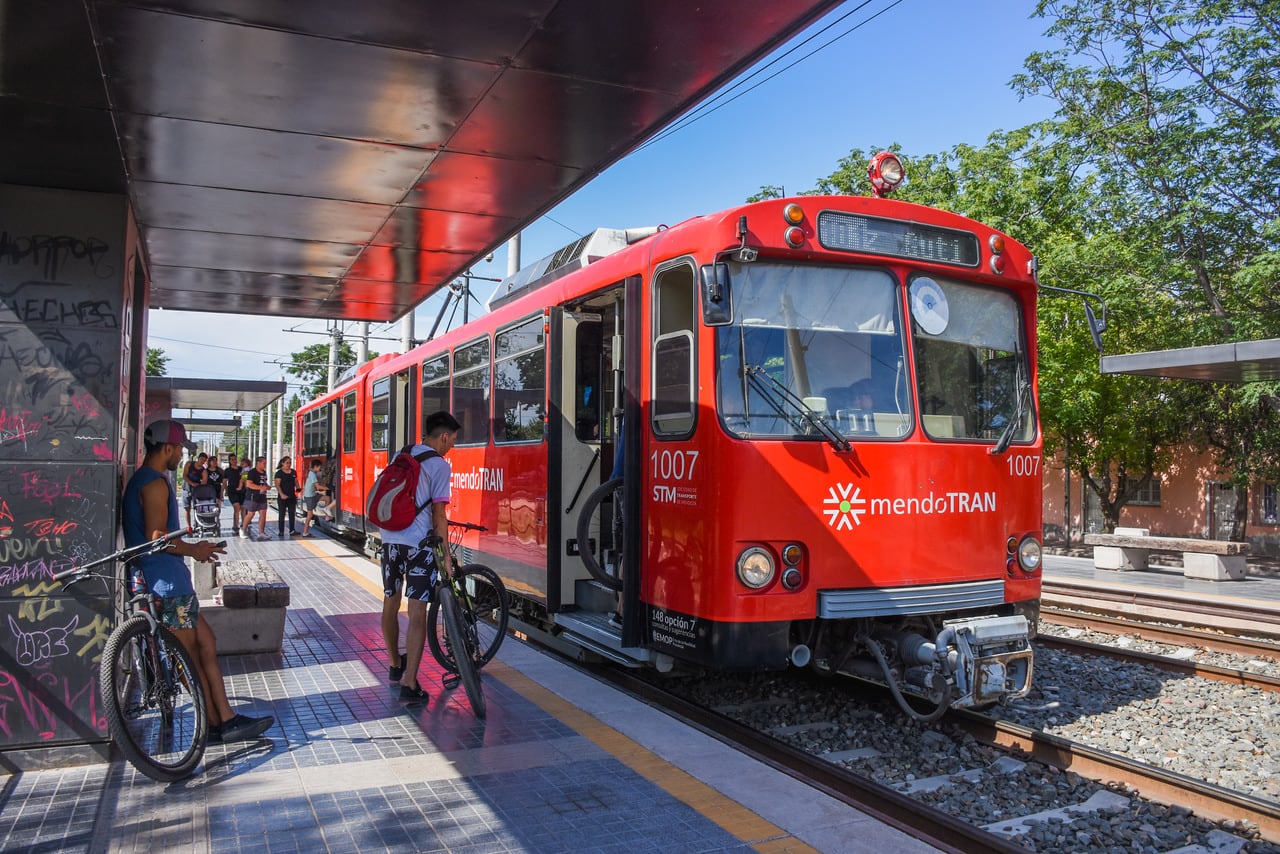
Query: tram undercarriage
[{"x": 960, "y": 662}]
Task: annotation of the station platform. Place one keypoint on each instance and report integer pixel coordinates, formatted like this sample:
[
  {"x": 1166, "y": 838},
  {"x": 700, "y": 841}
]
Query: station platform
[
  {"x": 1250, "y": 604},
  {"x": 563, "y": 762}
]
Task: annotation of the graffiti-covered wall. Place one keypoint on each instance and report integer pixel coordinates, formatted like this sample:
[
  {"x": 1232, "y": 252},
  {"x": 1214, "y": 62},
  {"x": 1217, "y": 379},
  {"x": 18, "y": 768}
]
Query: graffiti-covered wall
[{"x": 69, "y": 303}]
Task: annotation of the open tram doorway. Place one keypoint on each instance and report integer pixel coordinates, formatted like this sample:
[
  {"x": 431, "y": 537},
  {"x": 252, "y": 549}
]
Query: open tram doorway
[{"x": 590, "y": 339}]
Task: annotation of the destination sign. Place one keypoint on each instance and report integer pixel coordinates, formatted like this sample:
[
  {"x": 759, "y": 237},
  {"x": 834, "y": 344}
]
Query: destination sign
[{"x": 855, "y": 233}]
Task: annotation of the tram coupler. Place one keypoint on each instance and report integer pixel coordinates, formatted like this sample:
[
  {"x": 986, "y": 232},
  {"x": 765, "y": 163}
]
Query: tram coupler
[{"x": 987, "y": 659}]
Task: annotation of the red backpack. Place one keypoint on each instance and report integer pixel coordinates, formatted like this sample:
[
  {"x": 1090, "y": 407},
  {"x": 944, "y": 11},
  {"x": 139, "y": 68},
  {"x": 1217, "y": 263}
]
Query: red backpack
[{"x": 392, "y": 503}]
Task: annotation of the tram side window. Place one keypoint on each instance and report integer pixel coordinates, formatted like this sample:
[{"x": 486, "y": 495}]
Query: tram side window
[
  {"x": 435, "y": 387},
  {"x": 380, "y": 415},
  {"x": 349, "y": 423},
  {"x": 471, "y": 392},
  {"x": 519, "y": 382},
  {"x": 673, "y": 351}
]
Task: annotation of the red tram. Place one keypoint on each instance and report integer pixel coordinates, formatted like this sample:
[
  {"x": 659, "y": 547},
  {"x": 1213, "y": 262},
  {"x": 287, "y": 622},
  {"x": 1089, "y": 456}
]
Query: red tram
[{"x": 826, "y": 409}]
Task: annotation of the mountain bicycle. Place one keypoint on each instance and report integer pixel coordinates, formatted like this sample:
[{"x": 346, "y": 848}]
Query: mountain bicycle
[
  {"x": 469, "y": 612},
  {"x": 149, "y": 683}
]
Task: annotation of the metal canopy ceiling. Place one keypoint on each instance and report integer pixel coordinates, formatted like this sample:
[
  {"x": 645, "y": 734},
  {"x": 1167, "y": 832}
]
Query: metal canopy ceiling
[
  {"x": 1245, "y": 361},
  {"x": 344, "y": 160},
  {"x": 217, "y": 395}
]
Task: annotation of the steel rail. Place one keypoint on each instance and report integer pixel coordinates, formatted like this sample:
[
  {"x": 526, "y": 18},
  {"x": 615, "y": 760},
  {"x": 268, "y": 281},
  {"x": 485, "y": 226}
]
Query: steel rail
[
  {"x": 1213, "y": 641},
  {"x": 1164, "y": 662},
  {"x": 1204, "y": 799}
]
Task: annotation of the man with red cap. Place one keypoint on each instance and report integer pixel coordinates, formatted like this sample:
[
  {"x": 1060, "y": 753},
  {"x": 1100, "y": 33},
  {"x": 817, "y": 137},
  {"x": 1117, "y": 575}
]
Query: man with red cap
[{"x": 150, "y": 510}]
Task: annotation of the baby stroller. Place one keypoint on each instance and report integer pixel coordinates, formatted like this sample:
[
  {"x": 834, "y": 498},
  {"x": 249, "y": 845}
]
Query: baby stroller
[{"x": 208, "y": 509}]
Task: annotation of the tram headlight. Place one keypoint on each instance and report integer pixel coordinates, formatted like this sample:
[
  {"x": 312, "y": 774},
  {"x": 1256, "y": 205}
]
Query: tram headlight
[
  {"x": 1029, "y": 554},
  {"x": 755, "y": 567}
]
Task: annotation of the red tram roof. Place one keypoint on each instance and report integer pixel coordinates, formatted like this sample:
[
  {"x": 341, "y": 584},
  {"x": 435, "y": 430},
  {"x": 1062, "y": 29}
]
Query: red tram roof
[{"x": 346, "y": 160}]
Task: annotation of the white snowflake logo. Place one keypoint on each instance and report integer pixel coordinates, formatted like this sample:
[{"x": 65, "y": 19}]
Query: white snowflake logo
[{"x": 846, "y": 503}]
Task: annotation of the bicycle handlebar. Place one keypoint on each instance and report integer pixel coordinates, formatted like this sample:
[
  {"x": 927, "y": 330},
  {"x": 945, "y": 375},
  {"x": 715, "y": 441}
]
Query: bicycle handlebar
[
  {"x": 156, "y": 545},
  {"x": 467, "y": 526}
]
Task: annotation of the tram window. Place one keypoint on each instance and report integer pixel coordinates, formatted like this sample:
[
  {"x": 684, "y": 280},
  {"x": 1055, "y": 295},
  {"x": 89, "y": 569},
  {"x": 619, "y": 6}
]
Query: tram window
[
  {"x": 471, "y": 392},
  {"x": 971, "y": 369},
  {"x": 380, "y": 415},
  {"x": 519, "y": 382},
  {"x": 818, "y": 337},
  {"x": 673, "y": 372},
  {"x": 435, "y": 387},
  {"x": 673, "y": 383},
  {"x": 349, "y": 423}
]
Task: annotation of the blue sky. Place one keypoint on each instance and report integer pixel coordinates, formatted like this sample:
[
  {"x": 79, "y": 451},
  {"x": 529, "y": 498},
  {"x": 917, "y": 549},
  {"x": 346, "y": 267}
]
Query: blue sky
[{"x": 926, "y": 74}]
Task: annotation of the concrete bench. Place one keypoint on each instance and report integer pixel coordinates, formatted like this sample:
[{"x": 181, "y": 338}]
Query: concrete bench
[
  {"x": 244, "y": 602},
  {"x": 1129, "y": 548}
]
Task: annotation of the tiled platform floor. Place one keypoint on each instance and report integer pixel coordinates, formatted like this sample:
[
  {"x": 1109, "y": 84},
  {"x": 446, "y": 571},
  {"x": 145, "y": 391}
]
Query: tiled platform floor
[{"x": 562, "y": 763}]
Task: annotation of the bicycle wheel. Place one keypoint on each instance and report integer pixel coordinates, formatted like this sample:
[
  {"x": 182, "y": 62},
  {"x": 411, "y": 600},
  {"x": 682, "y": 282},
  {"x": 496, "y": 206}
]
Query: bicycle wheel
[
  {"x": 464, "y": 652},
  {"x": 600, "y": 533},
  {"x": 153, "y": 700},
  {"x": 483, "y": 611}
]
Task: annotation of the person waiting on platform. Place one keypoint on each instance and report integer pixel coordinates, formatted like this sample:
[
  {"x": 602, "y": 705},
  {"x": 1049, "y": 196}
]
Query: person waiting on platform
[{"x": 149, "y": 509}]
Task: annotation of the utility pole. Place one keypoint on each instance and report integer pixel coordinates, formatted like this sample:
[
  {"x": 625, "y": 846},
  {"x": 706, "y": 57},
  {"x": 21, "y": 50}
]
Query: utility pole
[
  {"x": 335, "y": 339},
  {"x": 406, "y": 332},
  {"x": 362, "y": 344},
  {"x": 280, "y": 424}
]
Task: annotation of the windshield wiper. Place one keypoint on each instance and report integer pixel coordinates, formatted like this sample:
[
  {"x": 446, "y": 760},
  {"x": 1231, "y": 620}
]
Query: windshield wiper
[
  {"x": 780, "y": 394},
  {"x": 1002, "y": 444}
]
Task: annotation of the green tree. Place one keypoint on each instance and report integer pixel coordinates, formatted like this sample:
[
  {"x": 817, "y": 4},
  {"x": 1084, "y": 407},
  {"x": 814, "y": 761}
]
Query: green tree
[
  {"x": 1171, "y": 106},
  {"x": 311, "y": 365},
  {"x": 157, "y": 362}
]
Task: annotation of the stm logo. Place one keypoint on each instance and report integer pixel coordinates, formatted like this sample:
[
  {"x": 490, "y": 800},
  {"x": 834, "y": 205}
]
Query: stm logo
[{"x": 843, "y": 503}]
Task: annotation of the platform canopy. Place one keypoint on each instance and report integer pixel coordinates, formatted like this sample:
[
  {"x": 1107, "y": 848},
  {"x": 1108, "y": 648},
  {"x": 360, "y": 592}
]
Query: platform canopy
[
  {"x": 216, "y": 395},
  {"x": 347, "y": 158},
  {"x": 1244, "y": 361}
]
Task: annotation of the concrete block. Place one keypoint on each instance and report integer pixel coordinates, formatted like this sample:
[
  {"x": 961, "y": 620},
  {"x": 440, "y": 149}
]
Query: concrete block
[
  {"x": 239, "y": 595},
  {"x": 1122, "y": 560},
  {"x": 204, "y": 577},
  {"x": 1133, "y": 532},
  {"x": 272, "y": 594},
  {"x": 1213, "y": 567},
  {"x": 245, "y": 630}
]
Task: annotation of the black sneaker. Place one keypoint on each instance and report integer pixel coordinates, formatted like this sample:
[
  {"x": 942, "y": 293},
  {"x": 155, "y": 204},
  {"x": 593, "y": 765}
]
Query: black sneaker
[{"x": 243, "y": 728}]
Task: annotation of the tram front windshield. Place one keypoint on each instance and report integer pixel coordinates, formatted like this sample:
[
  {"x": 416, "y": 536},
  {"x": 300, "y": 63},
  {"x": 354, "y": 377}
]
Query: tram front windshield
[{"x": 815, "y": 351}]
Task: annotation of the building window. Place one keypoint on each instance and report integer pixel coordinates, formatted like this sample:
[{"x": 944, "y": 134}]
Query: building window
[
  {"x": 1149, "y": 495},
  {"x": 1268, "y": 509}
]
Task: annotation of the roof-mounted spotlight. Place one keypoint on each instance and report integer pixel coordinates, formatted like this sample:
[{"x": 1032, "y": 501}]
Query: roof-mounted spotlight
[{"x": 886, "y": 173}]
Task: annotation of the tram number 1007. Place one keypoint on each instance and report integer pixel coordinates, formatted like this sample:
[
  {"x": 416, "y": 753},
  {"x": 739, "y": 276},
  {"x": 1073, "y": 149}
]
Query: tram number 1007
[
  {"x": 673, "y": 465},
  {"x": 1024, "y": 465}
]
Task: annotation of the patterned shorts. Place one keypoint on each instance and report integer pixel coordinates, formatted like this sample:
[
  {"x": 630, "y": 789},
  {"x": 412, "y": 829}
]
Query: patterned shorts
[
  {"x": 413, "y": 566},
  {"x": 177, "y": 612}
]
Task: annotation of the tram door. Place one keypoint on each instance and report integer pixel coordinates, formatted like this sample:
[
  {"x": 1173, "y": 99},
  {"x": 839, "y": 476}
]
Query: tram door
[
  {"x": 587, "y": 344},
  {"x": 350, "y": 488},
  {"x": 403, "y": 420}
]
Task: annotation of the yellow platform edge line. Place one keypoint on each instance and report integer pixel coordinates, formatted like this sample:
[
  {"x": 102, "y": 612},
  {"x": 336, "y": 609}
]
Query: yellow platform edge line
[{"x": 720, "y": 809}]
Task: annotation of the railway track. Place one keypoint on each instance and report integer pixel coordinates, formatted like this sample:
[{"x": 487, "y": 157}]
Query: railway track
[
  {"x": 1215, "y": 640},
  {"x": 1127, "y": 792},
  {"x": 1173, "y": 665},
  {"x": 1235, "y": 617},
  {"x": 933, "y": 826}
]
